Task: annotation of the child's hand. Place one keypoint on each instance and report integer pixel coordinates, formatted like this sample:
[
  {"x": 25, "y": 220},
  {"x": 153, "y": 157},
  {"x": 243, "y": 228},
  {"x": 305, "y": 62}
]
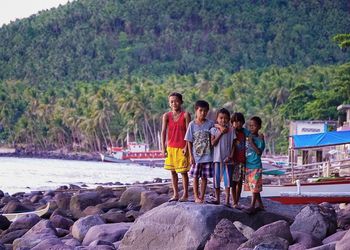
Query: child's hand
[
  {"x": 192, "y": 161},
  {"x": 165, "y": 152},
  {"x": 184, "y": 151},
  {"x": 223, "y": 129},
  {"x": 228, "y": 159}
]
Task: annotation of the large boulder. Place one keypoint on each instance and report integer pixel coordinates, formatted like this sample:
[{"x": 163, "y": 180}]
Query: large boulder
[
  {"x": 307, "y": 240},
  {"x": 107, "y": 232},
  {"x": 182, "y": 225},
  {"x": 279, "y": 228},
  {"x": 62, "y": 200},
  {"x": 319, "y": 221},
  {"x": 131, "y": 196},
  {"x": 4, "y": 222},
  {"x": 225, "y": 237},
  {"x": 268, "y": 241},
  {"x": 334, "y": 237},
  {"x": 25, "y": 222},
  {"x": 329, "y": 246},
  {"x": 116, "y": 217},
  {"x": 245, "y": 230},
  {"x": 14, "y": 206},
  {"x": 344, "y": 243},
  {"x": 151, "y": 199},
  {"x": 59, "y": 221},
  {"x": 43, "y": 230},
  {"x": 9, "y": 237},
  {"x": 82, "y": 226},
  {"x": 81, "y": 201}
]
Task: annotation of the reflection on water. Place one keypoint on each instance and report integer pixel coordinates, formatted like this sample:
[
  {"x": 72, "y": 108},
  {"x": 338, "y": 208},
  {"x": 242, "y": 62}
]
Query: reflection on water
[{"x": 25, "y": 174}]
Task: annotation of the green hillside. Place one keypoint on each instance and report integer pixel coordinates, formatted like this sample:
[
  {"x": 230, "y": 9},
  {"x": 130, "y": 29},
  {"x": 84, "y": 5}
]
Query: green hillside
[{"x": 98, "y": 40}]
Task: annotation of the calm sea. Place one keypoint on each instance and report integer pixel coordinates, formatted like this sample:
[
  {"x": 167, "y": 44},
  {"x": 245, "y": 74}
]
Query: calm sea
[{"x": 27, "y": 174}]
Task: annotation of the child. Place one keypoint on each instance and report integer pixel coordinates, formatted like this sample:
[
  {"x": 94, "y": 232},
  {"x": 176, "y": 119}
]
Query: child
[
  {"x": 239, "y": 160},
  {"x": 255, "y": 148},
  {"x": 174, "y": 127},
  {"x": 198, "y": 140},
  {"x": 222, "y": 142}
]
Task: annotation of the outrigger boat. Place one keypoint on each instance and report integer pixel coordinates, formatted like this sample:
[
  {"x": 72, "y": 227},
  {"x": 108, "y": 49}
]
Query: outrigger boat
[
  {"x": 15, "y": 216},
  {"x": 138, "y": 153},
  {"x": 312, "y": 183}
]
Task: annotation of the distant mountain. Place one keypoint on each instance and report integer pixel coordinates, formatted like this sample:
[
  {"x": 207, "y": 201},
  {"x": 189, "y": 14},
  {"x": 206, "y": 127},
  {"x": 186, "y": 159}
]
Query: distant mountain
[{"x": 94, "y": 40}]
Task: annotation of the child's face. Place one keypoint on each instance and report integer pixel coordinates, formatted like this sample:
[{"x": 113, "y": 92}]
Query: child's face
[
  {"x": 253, "y": 127},
  {"x": 222, "y": 119},
  {"x": 237, "y": 124},
  {"x": 175, "y": 103},
  {"x": 201, "y": 113}
]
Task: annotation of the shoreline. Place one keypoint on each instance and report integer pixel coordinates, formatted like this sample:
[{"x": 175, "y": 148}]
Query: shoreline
[{"x": 77, "y": 156}]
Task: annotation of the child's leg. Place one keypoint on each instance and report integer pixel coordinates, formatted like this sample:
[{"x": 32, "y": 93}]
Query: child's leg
[
  {"x": 217, "y": 195},
  {"x": 227, "y": 196},
  {"x": 234, "y": 193},
  {"x": 239, "y": 191},
  {"x": 195, "y": 190},
  {"x": 261, "y": 205},
  {"x": 204, "y": 182},
  {"x": 185, "y": 186},
  {"x": 254, "y": 199},
  {"x": 175, "y": 182}
]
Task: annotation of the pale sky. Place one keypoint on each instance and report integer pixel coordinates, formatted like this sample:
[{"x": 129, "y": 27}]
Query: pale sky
[{"x": 12, "y": 9}]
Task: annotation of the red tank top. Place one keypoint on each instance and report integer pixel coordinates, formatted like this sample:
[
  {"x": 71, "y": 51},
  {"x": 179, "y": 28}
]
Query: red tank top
[{"x": 176, "y": 131}]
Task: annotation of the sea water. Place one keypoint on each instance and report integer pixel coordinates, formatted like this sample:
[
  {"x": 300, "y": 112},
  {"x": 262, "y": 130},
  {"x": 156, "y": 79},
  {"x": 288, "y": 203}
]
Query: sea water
[{"x": 29, "y": 174}]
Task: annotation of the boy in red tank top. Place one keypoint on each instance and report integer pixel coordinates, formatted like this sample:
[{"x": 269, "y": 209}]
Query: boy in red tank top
[{"x": 174, "y": 126}]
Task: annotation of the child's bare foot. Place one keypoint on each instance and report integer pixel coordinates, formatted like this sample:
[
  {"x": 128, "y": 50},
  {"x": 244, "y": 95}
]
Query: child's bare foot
[
  {"x": 183, "y": 199},
  {"x": 174, "y": 198},
  {"x": 198, "y": 200},
  {"x": 227, "y": 204}
]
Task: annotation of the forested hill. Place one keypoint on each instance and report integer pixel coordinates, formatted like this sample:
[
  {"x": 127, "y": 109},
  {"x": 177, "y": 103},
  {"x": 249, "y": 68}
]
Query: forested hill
[{"x": 93, "y": 40}]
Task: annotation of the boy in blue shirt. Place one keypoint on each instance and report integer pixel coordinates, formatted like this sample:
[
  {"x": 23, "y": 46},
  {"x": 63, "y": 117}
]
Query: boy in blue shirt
[
  {"x": 255, "y": 147},
  {"x": 198, "y": 140}
]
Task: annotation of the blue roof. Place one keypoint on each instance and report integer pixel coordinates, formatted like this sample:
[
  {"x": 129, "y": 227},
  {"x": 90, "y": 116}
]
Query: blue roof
[{"x": 321, "y": 139}]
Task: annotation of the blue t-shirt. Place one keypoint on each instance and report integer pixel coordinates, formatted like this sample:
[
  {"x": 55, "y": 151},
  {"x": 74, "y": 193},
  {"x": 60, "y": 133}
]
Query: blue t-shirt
[
  {"x": 253, "y": 160},
  {"x": 199, "y": 135},
  {"x": 223, "y": 149}
]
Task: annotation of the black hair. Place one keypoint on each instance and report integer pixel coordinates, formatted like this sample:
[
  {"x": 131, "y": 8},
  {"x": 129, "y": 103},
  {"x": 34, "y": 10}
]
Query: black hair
[
  {"x": 201, "y": 104},
  {"x": 238, "y": 117},
  {"x": 178, "y": 95},
  {"x": 223, "y": 111},
  {"x": 257, "y": 120}
]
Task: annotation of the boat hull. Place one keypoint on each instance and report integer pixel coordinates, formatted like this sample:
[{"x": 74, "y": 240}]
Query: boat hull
[
  {"x": 158, "y": 162},
  {"x": 318, "y": 192}
]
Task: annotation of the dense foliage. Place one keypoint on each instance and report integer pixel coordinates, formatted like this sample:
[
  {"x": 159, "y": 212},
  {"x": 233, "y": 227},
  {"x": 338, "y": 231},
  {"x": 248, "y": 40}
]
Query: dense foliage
[
  {"x": 88, "y": 116},
  {"x": 84, "y": 75},
  {"x": 97, "y": 40}
]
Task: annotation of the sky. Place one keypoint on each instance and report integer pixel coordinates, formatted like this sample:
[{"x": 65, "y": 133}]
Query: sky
[{"x": 10, "y": 10}]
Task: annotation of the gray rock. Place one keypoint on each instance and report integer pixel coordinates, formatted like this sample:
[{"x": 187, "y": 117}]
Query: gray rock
[
  {"x": 334, "y": 237},
  {"x": 101, "y": 247},
  {"x": 48, "y": 244},
  {"x": 43, "y": 230},
  {"x": 59, "y": 221},
  {"x": 267, "y": 241},
  {"x": 131, "y": 196},
  {"x": 225, "y": 237},
  {"x": 297, "y": 246},
  {"x": 9, "y": 237},
  {"x": 25, "y": 222},
  {"x": 279, "y": 228},
  {"x": 151, "y": 199},
  {"x": 133, "y": 215},
  {"x": 62, "y": 232},
  {"x": 329, "y": 246},
  {"x": 106, "y": 206},
  {"x": 107, "y": 232},
  {"x": 344, "y": 219},
  {"x": 245, "y": 230},
  {"x": 307, "y": 240},
  {"x": 344, "y": 243},
  {"x": 15, "y": 207},
  {"x": 81, "y": 201},
  {"x": 316, "y": 220},
  {"x": 62, "y": 200},
  {"x": 4, "y": 222},
  {"x": 116, "y": 217},
  {"x": 100, "y": 243},
  {"x": 182, "y": 225},
  {"x": 71, "y": 242},
  {"x": 92, "y": 210},
  {"x": 82, "y": 226}
]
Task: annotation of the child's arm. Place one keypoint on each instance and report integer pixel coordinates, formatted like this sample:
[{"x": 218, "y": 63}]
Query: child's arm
[
  {"x": 189, "y": 145},
  {"x": 222, "y": 129},
  {"x": 255, "y": 148},
  {"x": 187, "y": 121},
  {"x": 163, "y": 134},
  {"x": 215, "y": 139}
]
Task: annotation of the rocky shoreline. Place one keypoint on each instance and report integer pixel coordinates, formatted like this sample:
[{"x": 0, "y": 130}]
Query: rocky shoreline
[{"x": 139, "y": 216}]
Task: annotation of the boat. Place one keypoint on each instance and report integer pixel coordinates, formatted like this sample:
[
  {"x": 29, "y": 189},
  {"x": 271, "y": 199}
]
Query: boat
[
  {"x": 14, "y": 216},
  {"x": 138, "y": 153}
]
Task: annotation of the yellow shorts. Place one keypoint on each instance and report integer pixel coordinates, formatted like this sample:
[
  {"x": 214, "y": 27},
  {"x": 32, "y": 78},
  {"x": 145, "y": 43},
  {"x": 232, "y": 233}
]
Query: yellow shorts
[{"x": 176, "y": 161}]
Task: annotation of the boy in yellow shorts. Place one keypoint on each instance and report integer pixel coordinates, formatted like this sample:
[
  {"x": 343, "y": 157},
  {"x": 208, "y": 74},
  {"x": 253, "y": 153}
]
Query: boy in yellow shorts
[{"x": 174, "y": 126}]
